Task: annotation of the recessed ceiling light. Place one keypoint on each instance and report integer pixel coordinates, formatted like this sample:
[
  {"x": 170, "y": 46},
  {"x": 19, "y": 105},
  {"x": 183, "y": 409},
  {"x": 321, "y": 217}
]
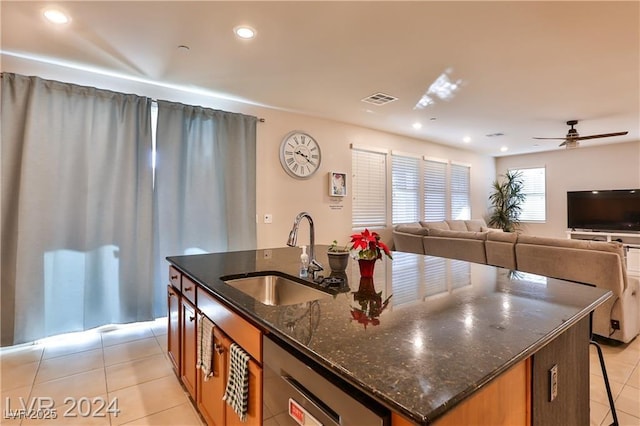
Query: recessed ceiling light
[
  {"x": 245, "y": 32},
  {"x": 504, "y": 149},
  {"x": 56, "y": 16},
  {"x": 466, "y": 139},
  {"x": 417, "y": 126}
]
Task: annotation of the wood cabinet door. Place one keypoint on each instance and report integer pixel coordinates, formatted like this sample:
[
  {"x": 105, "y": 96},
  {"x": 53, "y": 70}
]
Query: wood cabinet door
[
  {"x": 254, "y": 410},
  {"x": 189, "y": 355},
  {"x": 210, "y": 392},
  {"x": 173, "y": 334}
]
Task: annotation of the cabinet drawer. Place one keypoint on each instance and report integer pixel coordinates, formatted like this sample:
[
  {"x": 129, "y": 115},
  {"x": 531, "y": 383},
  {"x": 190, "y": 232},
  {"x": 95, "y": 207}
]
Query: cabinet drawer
[
  {"x": 237, "y": 328},
  {"x": 189, "y": 289},
  {"x": 174, "y": 277}
]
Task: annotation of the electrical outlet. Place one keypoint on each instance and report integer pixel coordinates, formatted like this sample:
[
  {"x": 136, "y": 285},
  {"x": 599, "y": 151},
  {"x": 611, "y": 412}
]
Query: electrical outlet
[
  {"x": 268, "y": 254},
  {"x": 553, "y": 382},
  {"x": 268, "y": 218},
  {"x": 615, "y": 324}
]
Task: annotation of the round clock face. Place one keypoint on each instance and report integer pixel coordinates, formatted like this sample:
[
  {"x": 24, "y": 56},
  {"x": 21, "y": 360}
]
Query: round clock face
[{"x": 300, "y": 155}]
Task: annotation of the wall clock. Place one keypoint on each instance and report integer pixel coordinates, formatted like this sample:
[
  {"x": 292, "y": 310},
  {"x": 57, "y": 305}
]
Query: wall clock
[{"x": 300, "y": 155}]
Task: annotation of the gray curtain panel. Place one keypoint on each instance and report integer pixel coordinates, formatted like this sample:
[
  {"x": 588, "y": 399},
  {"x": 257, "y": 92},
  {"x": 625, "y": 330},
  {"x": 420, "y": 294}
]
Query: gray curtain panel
[
  {"x": 76, "y": 208},
  {"x": 205, "y": 183}
]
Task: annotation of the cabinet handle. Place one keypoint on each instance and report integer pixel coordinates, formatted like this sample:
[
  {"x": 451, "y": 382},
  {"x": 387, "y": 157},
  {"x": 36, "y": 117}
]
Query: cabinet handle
[
  {"x": 188, "y": 289},
  {"x": 174, "y": 277},
  {"x": 219, "y": 349},
  {"x": 192, "y": 318}
]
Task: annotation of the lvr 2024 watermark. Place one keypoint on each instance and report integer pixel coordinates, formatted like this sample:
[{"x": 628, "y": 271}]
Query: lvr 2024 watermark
[{"x": 44, "y": 407}]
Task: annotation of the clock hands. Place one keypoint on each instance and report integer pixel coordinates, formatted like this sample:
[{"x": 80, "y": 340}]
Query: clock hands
[{"x": 305, "y": 156}]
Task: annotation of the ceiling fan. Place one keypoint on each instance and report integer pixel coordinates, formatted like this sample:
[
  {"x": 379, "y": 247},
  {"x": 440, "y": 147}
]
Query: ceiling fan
[{"x": 572, "y": 139}]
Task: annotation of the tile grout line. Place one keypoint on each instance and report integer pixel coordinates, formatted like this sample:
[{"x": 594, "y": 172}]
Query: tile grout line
[{"x": 104, "y": 369}]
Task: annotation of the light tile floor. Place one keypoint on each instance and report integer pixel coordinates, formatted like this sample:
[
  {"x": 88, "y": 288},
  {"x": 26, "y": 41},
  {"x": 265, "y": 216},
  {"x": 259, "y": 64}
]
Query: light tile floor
[
  {"x": 128, "y": 365},
  {"x": 86, "y": 376}
]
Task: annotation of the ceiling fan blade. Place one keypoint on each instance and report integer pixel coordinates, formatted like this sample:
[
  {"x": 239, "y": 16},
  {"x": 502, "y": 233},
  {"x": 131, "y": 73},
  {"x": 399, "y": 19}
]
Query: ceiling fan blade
[
  {"x": 558, "y": 139},
  {"x": 563, "y": 143},
  {"x": 604, "y": 135}
]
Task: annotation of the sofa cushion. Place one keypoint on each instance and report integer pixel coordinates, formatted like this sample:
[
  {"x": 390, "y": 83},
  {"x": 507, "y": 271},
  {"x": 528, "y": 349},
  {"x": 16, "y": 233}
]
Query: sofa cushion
[
  {"x": 458, "y": 234},
  {"x": 611, "y": 247},
  {"x": 501, "y": 249},
  {"x": 412, "y": 228},
  {"x": 435, "y": 225},
  {"x": 469, "y": 249},
  {"x": 505, "y": 237},
  {"x": 457, "y": 225},
  {"x": 487, "y": 229},
  {"x": 475, "y": 225}
]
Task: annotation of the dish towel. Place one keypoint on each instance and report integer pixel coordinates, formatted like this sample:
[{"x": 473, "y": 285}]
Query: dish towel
[
  {"x": 237, "y": 391},
  {"x": 205, "y": 346}
]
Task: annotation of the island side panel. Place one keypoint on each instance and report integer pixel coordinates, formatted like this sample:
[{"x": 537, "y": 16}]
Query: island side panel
[{"x": 570, "y": 352}]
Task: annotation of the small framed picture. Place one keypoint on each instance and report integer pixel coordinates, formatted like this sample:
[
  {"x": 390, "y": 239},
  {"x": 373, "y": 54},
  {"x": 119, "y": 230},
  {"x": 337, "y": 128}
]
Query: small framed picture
[{"x": 337, "y": 184}]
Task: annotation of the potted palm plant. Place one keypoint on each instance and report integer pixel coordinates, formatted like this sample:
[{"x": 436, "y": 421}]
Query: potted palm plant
[{"x": 506, "y": 199}]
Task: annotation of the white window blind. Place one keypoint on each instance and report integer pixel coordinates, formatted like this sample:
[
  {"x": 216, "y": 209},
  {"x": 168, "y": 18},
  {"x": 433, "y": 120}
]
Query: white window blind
[
  {"x": 369, "y": 189},
  {"x": 405, "y": 184},
  {"x": 460, "y": 194},
  {"x": 435, "y": 190},
  {"x": 435, "y": 275},
  {"x": 534, "y": 187},
  {"x": 404, "y": 278}
]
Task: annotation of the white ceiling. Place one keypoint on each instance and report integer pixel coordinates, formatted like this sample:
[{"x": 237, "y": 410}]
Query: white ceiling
[{"x": 525, "y": 67}]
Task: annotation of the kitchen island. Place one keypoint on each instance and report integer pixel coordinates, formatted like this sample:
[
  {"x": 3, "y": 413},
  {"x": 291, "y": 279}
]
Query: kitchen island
[{"x": 448, "y": 332}]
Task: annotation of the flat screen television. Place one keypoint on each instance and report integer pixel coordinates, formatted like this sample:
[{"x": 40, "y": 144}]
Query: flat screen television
[{"x": 610, "y": 210}]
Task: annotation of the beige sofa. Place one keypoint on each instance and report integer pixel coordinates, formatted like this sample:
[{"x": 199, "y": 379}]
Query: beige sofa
[
  {"x": 460, "y": 239},
  {"x": 597, "y": 263},
  {"x": 590, "y": 262}
]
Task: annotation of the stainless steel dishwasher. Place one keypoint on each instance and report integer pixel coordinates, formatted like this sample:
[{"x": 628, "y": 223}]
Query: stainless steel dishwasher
[{"x": 297, "y": 394}]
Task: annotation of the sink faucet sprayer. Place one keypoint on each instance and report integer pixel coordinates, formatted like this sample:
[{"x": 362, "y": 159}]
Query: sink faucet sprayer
[{"x": 314, "y": 265}]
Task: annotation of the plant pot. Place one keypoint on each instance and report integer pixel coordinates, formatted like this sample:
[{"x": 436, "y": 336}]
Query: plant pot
[
  {"x": 366, "y": 267},
  {"x": 338, "y": 261}
]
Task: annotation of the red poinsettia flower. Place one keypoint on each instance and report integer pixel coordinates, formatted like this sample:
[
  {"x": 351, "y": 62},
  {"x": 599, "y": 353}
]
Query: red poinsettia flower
[{"x": 369, "y": 245}]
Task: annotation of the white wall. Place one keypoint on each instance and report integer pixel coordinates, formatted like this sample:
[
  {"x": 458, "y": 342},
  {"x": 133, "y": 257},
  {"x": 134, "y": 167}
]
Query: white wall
[
  {"x": 612, "y": 166},
  {"x": 277, "y": 193}
]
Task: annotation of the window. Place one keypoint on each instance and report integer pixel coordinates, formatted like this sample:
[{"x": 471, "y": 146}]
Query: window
[
  {"x": 405, "y": 181},
  {"x": 428, "y": 189},
  {"x": 534, "y": 206},
  {"x": 435, "y": 190},
  {"x": 460, "y": 197},
  {"x": 369, "y": 189}
]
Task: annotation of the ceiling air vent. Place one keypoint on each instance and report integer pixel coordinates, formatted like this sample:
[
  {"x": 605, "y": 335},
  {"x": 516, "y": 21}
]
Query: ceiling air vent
[{"x": 379, "y": 99}]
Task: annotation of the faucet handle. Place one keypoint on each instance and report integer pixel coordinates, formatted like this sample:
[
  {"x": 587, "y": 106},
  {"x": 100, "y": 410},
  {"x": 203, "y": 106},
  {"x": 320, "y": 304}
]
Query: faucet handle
[{"x": 315, "y": 266}]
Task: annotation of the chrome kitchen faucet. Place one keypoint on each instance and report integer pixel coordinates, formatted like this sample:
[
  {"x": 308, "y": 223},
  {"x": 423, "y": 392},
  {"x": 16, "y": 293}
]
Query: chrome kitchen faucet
[{"x": 314, "y": 265}]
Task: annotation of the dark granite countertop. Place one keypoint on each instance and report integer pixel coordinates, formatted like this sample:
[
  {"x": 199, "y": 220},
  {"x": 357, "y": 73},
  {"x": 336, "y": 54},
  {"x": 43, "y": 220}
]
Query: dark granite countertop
[{"x": 449, "y": 328}]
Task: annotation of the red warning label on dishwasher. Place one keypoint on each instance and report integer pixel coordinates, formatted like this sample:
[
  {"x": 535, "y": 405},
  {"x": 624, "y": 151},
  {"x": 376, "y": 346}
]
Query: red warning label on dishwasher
[
  {"x": 296, "y": 411},
  {"x": 301, "y": 416}
]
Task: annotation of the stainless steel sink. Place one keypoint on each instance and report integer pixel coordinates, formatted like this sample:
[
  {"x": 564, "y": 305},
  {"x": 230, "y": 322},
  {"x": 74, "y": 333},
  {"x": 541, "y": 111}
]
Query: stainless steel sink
[{"x": 274, "y": 290}]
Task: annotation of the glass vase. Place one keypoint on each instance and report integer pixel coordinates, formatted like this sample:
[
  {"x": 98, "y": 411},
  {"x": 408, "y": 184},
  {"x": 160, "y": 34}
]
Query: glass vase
[{"x": 366, "y": 267}]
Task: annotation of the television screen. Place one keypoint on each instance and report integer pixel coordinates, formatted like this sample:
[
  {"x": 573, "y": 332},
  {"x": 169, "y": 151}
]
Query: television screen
[{"x": 610, "y": 210}]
